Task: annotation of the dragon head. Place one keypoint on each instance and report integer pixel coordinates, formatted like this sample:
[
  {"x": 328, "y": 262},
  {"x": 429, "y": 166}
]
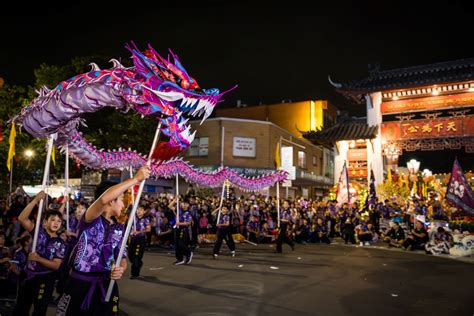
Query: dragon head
[{"x": 163, "y": 88}]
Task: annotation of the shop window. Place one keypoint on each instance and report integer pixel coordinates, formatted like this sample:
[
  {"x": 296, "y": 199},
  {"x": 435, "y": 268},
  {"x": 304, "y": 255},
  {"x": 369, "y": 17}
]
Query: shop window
[
  {"x": 301, "y": 159},
  {"x": 199, "y": 147}
]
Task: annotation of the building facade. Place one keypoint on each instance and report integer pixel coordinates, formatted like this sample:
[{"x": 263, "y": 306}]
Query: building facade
[
  {"x": 422, "y": 108},
  {"x": 250, "y": 147}
]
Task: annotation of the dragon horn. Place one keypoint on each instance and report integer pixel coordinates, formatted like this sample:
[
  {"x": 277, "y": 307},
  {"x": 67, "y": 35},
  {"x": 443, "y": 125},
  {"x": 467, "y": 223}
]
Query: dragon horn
[{"x": 94, "y": 66}]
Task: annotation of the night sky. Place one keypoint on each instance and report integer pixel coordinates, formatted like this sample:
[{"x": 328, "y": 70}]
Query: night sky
[{"x": 273, "y": 52}]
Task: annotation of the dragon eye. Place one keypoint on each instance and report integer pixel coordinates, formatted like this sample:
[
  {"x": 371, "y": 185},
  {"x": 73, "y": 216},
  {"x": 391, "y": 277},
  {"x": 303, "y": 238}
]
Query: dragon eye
[{"x": 184, "y": 84}]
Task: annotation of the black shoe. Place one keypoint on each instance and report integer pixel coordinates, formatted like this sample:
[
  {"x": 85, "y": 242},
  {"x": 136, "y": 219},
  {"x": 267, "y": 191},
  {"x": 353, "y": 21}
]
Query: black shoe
[
  {"x": 133, "y": 277},
  {"x": 276, "y": 251},
  {"x": 292, "y": 247}
]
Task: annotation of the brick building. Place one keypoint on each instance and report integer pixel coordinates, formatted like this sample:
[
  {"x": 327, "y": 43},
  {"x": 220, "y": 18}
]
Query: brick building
[{"x": 246, "y": 139}]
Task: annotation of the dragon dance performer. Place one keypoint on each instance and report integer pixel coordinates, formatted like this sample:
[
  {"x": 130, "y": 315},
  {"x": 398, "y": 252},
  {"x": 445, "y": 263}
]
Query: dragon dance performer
[
  {"x": 183, "y": 236},
  {"x": 37, "y": 289},
  {"x": 92, "y": 259},
  {"x": 224, "y": 233},
  {"x": 284, "y": 222},
  {"x": 138, "y": 241}
]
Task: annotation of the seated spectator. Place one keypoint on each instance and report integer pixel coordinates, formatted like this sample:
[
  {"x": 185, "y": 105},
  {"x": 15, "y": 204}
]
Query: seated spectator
[
  {"x": 319, "y": 233},
  {"x": 203, "y": 224},
  {"x": 440, "y": 243},
  {"x": 164, "y": 236},
  {"x": 265, "y": 234},
  {"x": 366, "y": 233},
  {"x": 417, "y": 239},
  {"x": 395, "y": 236},
  {"x": 302, "y": 232},
  {"x": 253, "y": 229},
  {"x": 348, "y": 232}
]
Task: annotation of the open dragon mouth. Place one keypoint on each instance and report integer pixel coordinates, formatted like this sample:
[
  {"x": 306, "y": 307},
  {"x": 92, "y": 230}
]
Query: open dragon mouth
[
  {"x": 167, "y": 89},
  {"x": 182, "y": 106}
]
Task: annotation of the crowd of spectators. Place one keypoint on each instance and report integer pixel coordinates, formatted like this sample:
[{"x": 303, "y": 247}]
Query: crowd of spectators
[{"x": 255, "y": 218}]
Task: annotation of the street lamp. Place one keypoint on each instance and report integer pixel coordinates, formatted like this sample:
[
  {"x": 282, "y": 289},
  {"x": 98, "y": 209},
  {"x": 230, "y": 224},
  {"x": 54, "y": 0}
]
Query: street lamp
[{"x": 29, "y": 154}]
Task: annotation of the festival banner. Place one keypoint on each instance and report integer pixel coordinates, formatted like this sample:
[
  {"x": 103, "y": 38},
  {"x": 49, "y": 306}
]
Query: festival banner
[
  {"x": 459, "y": 192},
  {"x": 343, "y": 195},
  {"x": 371, "y": 195}
]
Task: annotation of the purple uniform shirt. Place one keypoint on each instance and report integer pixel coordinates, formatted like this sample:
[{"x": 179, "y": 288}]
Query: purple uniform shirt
[
  {"x": 141, "y": 224},
  {"x": 47, "y": 247},
  {"x": 253, "y": 226},
  {"x": 20, "y": 257},
  {"x": 73, "y": 227},
  {"x": 98, "y": 245},
  {"x": 185, "y": 216},
  {"x": 285, "y": 216},
  {"x": 224, "y": 220}
]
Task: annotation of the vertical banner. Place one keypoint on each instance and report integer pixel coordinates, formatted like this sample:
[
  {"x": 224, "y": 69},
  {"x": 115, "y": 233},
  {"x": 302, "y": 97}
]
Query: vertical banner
[
  {"x": 459, "y": 192},
  {"x": 343, "y": 195}
]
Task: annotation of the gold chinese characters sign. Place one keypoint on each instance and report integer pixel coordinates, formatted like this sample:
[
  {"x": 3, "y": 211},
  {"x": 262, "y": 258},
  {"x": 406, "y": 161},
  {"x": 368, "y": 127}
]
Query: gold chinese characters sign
[
  {"x": 434, "y": 128},
  {"x": 428, "y": 103}
]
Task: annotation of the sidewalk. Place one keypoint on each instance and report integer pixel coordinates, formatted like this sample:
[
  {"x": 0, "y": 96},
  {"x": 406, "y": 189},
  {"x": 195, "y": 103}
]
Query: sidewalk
[{"x": 383, "y": 246}]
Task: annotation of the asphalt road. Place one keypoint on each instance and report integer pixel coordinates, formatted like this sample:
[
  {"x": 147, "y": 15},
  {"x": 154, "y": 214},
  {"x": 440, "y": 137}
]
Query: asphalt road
[{"x": 312, "y": 280}]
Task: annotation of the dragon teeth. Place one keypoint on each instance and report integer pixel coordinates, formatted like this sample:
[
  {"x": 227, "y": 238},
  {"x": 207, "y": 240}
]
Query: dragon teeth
[
  {"x": 191, "y": 137},
  {"x": 201, "y": 104}
]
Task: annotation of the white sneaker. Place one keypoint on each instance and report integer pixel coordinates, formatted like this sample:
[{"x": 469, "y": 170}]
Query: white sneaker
[
  {"x": 361, "y": 244},
  {"x": 215, "y": 256},
  {"x": 367, "y": 243},
  {"x": 232, "y": 253},
  {"x": 188, "y": 260},
  {"x": 177, "y": 263}
]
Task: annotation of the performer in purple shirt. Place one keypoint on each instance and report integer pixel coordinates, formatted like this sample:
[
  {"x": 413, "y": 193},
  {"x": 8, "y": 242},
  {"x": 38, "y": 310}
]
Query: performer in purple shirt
[
  {"x": 37, "y": 288},
  {"x": 138, "y": 241},
  {"x": 224, "y": 233},
  {"x": 93, "y": 258},
  {"x": 70, "y": 243},
  {"x": 285, "y": 219},
  {"x": 183, "y": 238}
]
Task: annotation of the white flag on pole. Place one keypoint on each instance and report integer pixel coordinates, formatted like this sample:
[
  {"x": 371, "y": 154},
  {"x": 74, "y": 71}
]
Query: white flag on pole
[{"x": 342, "y": 194}]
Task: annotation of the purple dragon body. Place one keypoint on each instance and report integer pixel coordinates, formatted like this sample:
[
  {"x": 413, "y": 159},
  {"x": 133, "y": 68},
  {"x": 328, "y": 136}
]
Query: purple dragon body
[{"x": 154, "y": 86}]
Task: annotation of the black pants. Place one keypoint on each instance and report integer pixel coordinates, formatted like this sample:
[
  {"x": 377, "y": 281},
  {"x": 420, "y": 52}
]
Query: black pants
[
  {"x": 73, "y": 299},
  {"x": 135, "y": 254},
  {"x": 194, "y": 228},
  {"x": 364, "y": 237},
  {"x": 282, "y": 237},
  {"x": 349, "y": 237},
  {"x": 36, "y": 291},
  {"x": 224, "y": 234},
  {"x": 414, "y": 243},
  {"x": 253, "y": 237},
  {"x": 182, "y": 242},
  {"x": 148, "y": 238},
  {"x": 63, "y": 272},
  {"x": 323, "y": 239}
]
